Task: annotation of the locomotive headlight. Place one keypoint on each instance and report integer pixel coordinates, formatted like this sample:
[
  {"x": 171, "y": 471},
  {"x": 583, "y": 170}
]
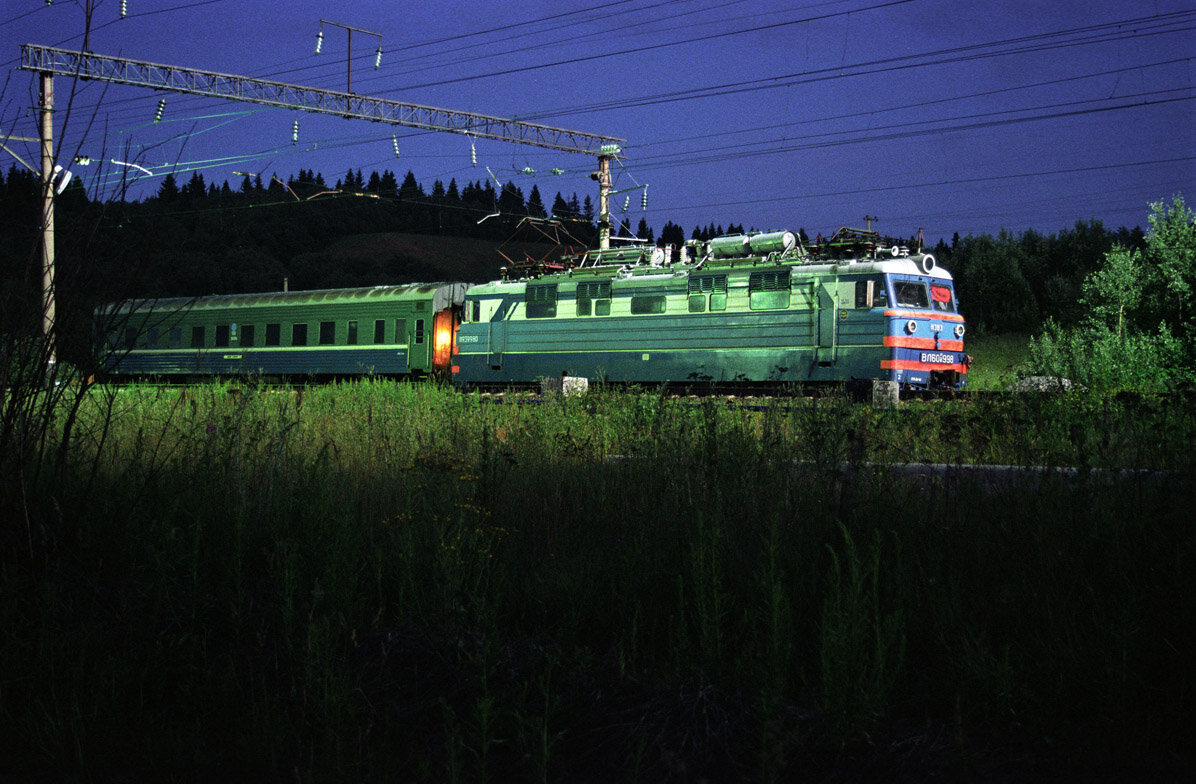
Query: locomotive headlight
[
  {"x": 959, "y": 330},
  {"x": 911, "y": 326}
]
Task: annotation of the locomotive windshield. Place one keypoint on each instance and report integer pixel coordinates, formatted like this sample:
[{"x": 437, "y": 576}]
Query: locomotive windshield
[
  {"x": 911, "y": 294},
  {"x": 942, "y": 299}
]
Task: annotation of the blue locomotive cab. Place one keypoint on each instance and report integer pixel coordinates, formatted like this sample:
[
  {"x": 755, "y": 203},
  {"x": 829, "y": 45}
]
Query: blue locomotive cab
[{"x": 924, "y": 336}]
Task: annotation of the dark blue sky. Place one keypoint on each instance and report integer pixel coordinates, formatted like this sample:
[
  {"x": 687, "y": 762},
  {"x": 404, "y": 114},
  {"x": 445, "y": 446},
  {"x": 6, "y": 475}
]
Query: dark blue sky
[{"x": 933, "y": 114}]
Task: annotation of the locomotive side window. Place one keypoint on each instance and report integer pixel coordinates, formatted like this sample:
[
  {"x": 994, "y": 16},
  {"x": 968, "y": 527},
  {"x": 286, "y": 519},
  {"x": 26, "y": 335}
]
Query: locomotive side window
[
  {"x": 298, "y": 334},
  {"x": 153, "y": 337},
  {"x": 197, "y": 337},
  {"x": 247, "y": 335},
  {"x": 645, "y": 304},
  {"x": 593, "y": 298},
  {"x": 222, "y": 335},
  {"x": 176, "y": 337},
  {"x": 477, "y": 311},
  {"x": 540, "y": 301},
  {"x": 768, "y": 290},
  {"x": 911, "y": 294},
  {"x": 401, "y": 330},
  {"x": 870, "y": 294},
  {"x": 379, "y": 331},
  {"x": 327, "y": 333},
  {"x": 131, "y": 337},
  {"x": 707, "y": 290},
  {"x": 351, "y": 334},
  {"x": 273, "y": 334},
  {"x": 419, "y": 330}
]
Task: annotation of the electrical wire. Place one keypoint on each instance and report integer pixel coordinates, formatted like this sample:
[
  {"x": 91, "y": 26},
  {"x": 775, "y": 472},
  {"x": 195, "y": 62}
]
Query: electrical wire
[{"x": 1081, "y": 36}]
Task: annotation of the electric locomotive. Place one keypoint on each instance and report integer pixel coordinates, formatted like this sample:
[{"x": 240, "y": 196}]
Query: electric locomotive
[{"x": 746, "y": 308}]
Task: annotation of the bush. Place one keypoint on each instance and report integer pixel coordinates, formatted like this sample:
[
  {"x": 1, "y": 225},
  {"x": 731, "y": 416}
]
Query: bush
[{"x": 1098, "y": 358}]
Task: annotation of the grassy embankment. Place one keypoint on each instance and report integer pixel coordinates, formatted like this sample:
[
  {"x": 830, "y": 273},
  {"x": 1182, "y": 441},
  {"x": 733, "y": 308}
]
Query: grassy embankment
[
  {"x": 996, "y": 359},
  {"x": 378, "y": 581}
]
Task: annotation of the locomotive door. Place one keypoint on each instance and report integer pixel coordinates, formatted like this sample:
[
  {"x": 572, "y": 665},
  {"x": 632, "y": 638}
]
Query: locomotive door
[
  {"x": 827, "y": 322},
  {"x": 498, "y": 342}
]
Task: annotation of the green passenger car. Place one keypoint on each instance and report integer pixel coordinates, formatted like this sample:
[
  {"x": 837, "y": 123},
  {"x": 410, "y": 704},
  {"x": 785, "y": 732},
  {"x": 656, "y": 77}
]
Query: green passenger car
[{"x": 404, "y": 330}]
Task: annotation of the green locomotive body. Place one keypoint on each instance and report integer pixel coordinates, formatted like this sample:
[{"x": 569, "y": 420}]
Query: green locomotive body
[
  {"x": 748, "y": 308},
  {"x": 382, "y": 330}
]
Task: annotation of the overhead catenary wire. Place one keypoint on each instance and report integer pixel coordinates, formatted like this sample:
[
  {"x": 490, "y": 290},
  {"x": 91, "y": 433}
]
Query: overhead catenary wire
[{"x": 646, "y": 156}]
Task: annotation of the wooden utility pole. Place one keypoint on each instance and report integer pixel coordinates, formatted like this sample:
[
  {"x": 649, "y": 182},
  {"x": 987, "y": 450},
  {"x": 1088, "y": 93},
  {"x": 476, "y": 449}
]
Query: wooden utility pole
[
  {"x": 603, "y": 178},
  {"x": 47, "y": 144}
]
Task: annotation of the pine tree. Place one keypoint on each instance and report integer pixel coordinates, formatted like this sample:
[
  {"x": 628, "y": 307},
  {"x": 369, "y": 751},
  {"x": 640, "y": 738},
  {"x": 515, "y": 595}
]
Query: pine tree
[
  {"x": 169, "y": 189},
  {"x": 389, "y": 185},
  {"x": 511, "y": 200},
  {"x": 535, "y": 205},
  {"x": 410, "y": 189},
  {"x": 560, "y": 207}
]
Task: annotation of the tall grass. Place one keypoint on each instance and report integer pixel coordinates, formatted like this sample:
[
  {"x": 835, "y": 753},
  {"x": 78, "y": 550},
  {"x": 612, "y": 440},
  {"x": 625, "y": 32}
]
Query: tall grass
[{"x": 378, "y": 581}]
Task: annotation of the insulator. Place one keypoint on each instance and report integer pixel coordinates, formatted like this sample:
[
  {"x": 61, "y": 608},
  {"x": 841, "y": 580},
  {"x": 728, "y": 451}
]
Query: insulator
[
  {"x": 626, "y": 203},
  {"x": 528, "y": 170},
  {"x": 319, "y": 40},
  {"x": 124, "y": 8},
  {"x": 161, "y": 108},
  {"x": 295, "y": 132},
  {"x": 395, "y": 140},
  {"x": 473, "y": 153},
  {"x": 558, "y": 170},
  {"x": 644, "y": 199},
  {"x": 378, "y": 58},
  {"x": 66, "y": 178}
]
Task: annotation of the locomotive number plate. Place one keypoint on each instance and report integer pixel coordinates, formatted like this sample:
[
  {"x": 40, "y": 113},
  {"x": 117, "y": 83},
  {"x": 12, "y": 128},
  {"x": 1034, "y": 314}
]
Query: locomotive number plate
[{"x": 938, "y": 358}]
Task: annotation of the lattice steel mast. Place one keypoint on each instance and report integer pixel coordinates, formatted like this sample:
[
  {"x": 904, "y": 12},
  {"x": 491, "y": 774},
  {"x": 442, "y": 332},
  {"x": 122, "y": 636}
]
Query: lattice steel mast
[{"x": 138, "y": 73}]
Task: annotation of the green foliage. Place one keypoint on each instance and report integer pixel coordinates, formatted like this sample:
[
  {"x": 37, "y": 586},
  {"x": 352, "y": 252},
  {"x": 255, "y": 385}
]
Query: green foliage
[
  {"x": 1114, "y": 289},
  {"x": 1014, "y": 282},
  {"x": 994, "y": 293},
  {"x": 1171, "y": 268},
  {"x": 1140, "y": 328},
  {"x": 1098, "y": 357}
]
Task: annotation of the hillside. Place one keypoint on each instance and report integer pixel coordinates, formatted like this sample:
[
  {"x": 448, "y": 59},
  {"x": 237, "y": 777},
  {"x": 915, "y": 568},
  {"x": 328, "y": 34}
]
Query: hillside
[{"x": 394, "y": 257}]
